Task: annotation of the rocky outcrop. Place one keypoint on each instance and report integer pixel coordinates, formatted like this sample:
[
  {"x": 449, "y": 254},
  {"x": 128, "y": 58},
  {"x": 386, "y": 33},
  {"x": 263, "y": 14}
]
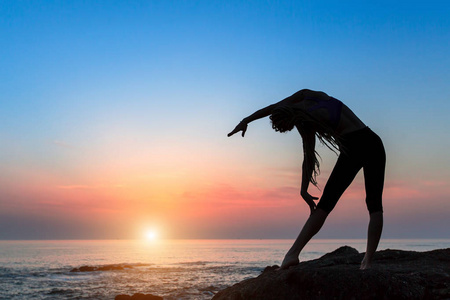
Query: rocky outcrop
[
  {"x": 395, "y": 274},
  {"x": 115, "y": 267}
]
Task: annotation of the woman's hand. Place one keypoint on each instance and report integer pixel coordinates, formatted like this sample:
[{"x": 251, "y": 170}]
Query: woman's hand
[
  {"x": 309, "y": 200},
  {"x": 242, "y": 126}
]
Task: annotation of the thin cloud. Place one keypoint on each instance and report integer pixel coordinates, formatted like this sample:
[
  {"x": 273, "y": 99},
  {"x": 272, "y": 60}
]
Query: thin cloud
[
  {"x": 90, "y": 187},
  {"x": 76, "y": 187},
  {"x": 62, "y": 144}
]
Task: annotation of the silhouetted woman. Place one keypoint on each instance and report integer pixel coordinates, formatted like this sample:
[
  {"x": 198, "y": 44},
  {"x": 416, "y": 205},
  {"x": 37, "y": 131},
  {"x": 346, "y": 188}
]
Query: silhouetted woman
[{"x": 315, "y": 114}]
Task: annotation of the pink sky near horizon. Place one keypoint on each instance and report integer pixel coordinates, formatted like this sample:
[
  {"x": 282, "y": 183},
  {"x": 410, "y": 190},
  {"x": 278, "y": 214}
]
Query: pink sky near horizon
[{"x": 212, "y": 200}]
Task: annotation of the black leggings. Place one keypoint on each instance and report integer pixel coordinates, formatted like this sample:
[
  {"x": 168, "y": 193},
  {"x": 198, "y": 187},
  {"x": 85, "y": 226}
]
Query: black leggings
[{"x": 359, "y": 149}]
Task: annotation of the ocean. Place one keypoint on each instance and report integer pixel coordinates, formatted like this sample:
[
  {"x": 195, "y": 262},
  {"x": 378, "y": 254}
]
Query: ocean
[{"x": 173, "y": 269}]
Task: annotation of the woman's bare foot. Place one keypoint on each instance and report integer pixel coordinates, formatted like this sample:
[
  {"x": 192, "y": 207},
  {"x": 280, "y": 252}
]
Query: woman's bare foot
[{"x": 289, "y": 261}]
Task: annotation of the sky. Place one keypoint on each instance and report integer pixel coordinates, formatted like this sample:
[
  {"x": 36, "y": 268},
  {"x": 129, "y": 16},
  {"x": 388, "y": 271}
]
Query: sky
[{"x": 114, "y": 115}]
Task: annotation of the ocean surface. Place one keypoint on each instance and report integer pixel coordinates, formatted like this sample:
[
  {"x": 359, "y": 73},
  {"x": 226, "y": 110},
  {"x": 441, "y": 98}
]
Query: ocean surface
[{"x": 174, "y": 269}]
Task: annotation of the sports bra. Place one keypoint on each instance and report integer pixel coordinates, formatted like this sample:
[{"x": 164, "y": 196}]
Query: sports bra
[{"x": 333, "y": 105}]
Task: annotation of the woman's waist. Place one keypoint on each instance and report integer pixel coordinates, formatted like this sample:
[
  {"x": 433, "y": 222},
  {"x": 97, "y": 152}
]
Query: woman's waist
[
  {"x": 348, "y": 122},
  {"x": 354, "y": 132}
]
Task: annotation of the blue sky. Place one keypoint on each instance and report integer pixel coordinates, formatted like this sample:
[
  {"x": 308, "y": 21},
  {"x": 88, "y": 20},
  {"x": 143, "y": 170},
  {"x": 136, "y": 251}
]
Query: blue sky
[{"x": 85, "y": 84}]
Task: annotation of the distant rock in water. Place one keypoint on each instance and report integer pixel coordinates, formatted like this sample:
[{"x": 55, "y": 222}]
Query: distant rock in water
[
  {"x": 102, "y": 268},
  {"x": 138, "y": 296},
  {"x": 395, "y": 274}
]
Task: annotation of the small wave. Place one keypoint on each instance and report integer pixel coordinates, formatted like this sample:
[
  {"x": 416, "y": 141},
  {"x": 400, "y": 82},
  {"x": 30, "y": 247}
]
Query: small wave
[
  {"x": 234, "y": 269},
  {"x": 194, "y": 263},
  {"x": 210, "y": 288},
  {"x": 71, "y": 277},
  {"x": 60, "y": 292}
]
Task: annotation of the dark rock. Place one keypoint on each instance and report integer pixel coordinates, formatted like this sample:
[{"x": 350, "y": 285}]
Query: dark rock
[
  {"x": 395, "y": 274},
  {"x": 101, "y": 268},
  {"x": 84, "y": 269},
  {"x": 138, "y": 296}
]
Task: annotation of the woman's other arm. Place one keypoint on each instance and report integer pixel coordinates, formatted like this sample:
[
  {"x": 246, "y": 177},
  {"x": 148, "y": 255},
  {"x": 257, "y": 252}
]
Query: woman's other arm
[{"x": 309, "y": 143}]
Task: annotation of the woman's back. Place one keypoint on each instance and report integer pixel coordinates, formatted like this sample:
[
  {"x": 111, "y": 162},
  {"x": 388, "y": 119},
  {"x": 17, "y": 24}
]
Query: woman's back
[{"x": 326, "y": 109}]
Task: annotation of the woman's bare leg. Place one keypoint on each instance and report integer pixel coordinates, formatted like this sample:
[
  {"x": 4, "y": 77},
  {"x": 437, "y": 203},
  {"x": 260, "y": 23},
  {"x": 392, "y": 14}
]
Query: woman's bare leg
[
  {"x": 311, "y": 227},
  {"x": 373, "y": 238}
]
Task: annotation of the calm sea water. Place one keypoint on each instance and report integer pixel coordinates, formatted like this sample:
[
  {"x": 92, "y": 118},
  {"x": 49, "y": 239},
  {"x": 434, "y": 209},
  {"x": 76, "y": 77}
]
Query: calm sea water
[{"x": 174, "y": 269}]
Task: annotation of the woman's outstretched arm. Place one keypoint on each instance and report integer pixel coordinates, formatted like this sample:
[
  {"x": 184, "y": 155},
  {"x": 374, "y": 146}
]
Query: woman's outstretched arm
[
  {"x": 266, "y": 111},
  {"x": 262, "y": 113}
]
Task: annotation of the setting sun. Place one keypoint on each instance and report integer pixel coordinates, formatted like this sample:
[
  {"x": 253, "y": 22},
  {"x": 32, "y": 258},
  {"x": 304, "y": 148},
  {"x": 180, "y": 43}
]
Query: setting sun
[{"x": 151, "y": 235}]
